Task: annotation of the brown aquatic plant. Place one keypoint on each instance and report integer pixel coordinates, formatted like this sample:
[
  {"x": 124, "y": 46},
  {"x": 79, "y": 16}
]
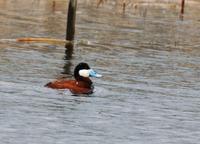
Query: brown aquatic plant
[
  {"x": 99, "y": 2},
  {"x": 182, "y": 6},
  {"x": 44, "y": 40},
  {"x": 124, "y": 5}
]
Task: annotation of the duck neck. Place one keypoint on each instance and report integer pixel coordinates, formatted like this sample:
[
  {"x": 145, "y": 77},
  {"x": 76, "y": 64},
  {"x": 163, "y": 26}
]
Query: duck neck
[{"x": 85, "y": 80}]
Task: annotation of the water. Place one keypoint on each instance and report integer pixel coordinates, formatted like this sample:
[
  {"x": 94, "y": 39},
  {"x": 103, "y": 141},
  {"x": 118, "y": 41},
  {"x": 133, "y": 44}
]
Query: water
[{"x": 150, "y": 62}]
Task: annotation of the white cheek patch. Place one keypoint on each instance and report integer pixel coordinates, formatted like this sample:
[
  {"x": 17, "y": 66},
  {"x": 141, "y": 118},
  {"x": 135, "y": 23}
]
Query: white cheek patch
[{"x": 84, "y": 73}]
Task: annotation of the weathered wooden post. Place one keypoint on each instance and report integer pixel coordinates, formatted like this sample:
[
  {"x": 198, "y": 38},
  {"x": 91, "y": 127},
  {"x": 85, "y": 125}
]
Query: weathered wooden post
[
  {"x": 124, "y": 6},
  {"x": 182, "y": 6},
  {"x": 70, "y": 29},
  {"x": 71, "y": 18},
  {"x": 54, "y": 6},
  {"x": 182, "y": 9}
]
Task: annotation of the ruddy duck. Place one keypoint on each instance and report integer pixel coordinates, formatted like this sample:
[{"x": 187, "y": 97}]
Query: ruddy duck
[{"x": 82, "y": 83}]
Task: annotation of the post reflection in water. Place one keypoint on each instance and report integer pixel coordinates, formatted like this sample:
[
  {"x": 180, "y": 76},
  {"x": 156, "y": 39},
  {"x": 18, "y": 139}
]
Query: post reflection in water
[{"x": 68, "y": 57}]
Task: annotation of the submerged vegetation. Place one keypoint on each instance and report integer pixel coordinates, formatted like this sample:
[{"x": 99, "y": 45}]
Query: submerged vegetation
[{"x": 131, "y": 5}]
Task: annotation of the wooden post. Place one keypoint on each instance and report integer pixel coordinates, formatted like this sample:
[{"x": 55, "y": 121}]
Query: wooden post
[
  {"x": 124, "y": 6},
  {"x": 70, "y": 31},
  {"x": 182, "y": 6},
  {"x": 182, "y": 9},
  {"x": 54, "y": 6}
]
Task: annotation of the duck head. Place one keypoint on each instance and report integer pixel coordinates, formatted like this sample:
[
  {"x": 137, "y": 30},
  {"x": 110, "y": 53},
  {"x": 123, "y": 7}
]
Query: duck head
[{"x": 82, "y": 71}]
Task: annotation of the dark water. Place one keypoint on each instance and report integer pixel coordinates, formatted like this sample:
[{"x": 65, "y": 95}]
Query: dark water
[{"x": 149, "y": 58}]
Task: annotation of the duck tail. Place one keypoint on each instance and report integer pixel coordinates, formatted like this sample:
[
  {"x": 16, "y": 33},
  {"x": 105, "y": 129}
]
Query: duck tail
[
  {"x": 50, "y": 85},
  {"x": 55, "y": 85}
]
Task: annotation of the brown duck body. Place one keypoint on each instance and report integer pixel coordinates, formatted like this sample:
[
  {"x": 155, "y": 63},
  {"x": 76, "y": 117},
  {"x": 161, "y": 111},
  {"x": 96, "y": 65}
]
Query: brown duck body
[{"x": 76, "y": 87}]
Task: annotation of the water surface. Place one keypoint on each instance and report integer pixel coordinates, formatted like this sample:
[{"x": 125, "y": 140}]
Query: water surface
[{"x": 149, "y": 58}]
